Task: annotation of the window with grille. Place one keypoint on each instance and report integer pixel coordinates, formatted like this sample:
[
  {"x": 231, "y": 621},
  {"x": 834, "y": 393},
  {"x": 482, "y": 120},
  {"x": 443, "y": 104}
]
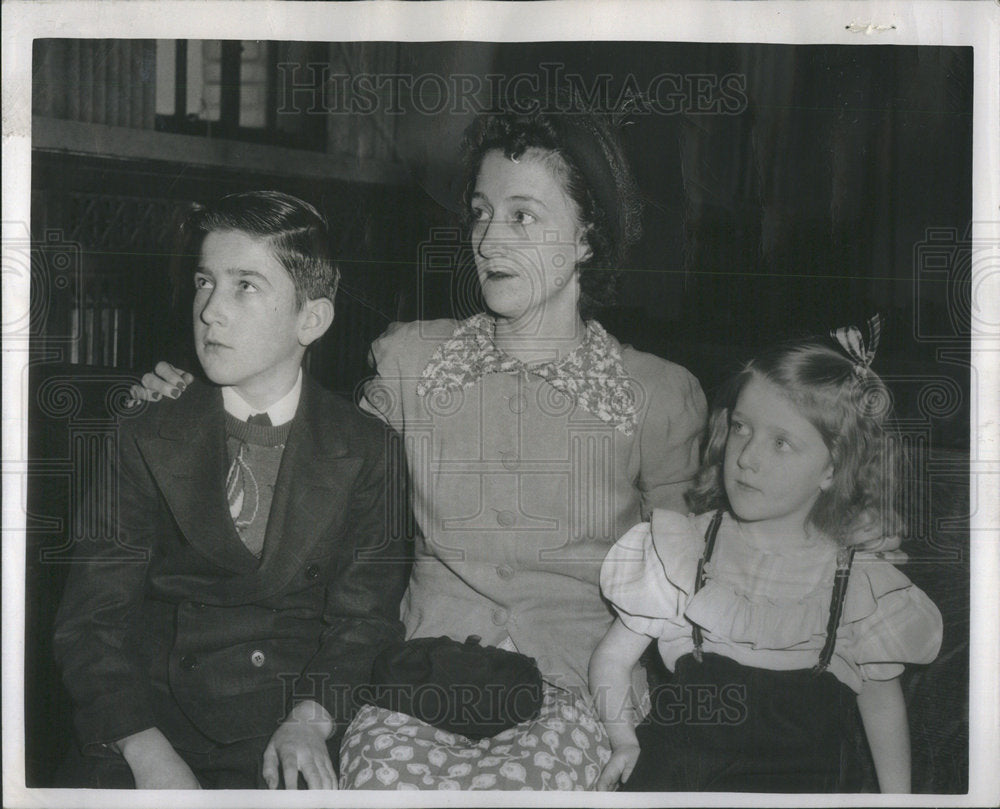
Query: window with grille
[{"x": 231, "y": 89}]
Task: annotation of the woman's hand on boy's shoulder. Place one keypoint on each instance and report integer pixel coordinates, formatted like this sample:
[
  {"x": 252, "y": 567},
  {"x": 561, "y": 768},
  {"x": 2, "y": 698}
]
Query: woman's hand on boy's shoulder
[{"x": 165, "y": 380}]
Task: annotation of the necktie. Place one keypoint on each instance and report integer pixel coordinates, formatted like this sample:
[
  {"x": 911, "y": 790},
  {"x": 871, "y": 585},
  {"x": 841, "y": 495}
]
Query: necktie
[{"x": 242, "y": 490}]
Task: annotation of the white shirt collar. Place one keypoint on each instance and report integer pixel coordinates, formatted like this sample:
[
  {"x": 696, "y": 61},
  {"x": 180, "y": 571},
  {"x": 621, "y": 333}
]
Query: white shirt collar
[{"x": 280, "y": 412}]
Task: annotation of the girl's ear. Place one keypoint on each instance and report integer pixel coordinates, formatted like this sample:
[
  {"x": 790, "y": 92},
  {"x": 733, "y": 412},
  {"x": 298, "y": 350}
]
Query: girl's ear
[
  {"x": 315, "y": 318},
  {"x": 715, "y": 441}
]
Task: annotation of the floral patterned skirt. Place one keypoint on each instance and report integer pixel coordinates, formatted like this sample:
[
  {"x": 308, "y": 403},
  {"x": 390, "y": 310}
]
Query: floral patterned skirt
[{"x": 564, "y": 748}]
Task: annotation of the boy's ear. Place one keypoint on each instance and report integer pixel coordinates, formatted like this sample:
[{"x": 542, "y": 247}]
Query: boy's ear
[{"x": 314, "y": 319}]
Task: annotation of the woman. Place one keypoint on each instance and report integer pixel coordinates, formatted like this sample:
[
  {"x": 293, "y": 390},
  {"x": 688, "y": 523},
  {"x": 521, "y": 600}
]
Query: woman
[
  {"x": 534, "y": 441},
  {"x": 533, "y": 437}
]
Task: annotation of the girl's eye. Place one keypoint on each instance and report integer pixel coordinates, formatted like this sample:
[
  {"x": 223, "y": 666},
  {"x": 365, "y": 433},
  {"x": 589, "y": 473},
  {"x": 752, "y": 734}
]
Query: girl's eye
[{"x": 524, "y": 218}]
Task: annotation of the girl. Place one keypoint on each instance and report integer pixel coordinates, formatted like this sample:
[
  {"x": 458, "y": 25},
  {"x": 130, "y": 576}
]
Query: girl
[{"x": 772, "y": 627}]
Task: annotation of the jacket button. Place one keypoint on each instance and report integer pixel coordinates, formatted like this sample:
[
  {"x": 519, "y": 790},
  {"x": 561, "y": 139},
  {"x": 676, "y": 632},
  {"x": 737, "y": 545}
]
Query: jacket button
[
  {"x": 258, "y": 658},
  {"x": 189, "y": 662},
  {"x": 506, "y": 518},
  {"x": 312, "y": 572},
  {"x": 500, "y": 616},
  {"x": 505, "y": 571}
]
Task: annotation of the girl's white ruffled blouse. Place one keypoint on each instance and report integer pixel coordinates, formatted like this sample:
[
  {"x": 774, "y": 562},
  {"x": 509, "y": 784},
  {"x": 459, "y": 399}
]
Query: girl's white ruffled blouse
[{"x": 763, "y": 608}]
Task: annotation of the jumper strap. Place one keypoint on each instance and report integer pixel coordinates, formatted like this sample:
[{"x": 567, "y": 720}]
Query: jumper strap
[
  {"x": 699, "y": 580},
  {"x": 845, "y": 558}
]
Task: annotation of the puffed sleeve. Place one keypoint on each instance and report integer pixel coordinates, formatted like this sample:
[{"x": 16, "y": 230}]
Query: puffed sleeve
[
  {"x": 399, "y": 357},
  {"x": 382, "y": 395},
  {"x": 891, "y": 621},
  {"x": 670, "y": 437},
  {"x": 649, "y": 573}
]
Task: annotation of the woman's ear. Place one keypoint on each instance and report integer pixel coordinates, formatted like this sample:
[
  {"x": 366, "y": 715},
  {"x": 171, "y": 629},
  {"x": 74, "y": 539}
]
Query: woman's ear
[
  {"x": 583, "y": 251},
  {"x": 827, "y": 480},
  {"x": 315, "y": 318}
]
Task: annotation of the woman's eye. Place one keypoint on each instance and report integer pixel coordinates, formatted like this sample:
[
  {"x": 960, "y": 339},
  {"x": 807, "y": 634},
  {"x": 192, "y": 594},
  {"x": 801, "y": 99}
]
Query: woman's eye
[
  {"x": 201, "y": 282},
  {"x": 246, "y": 286},
  {"x": 479, "y": 214},
  {"x": 781, "y": 444},
  {"x": 737, "y": 427},
  {"x": 524, "y": 218}
]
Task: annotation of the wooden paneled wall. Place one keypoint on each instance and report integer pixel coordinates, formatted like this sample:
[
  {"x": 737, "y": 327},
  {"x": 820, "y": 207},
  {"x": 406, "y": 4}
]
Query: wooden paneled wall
[{"x": 100, "y": 81}]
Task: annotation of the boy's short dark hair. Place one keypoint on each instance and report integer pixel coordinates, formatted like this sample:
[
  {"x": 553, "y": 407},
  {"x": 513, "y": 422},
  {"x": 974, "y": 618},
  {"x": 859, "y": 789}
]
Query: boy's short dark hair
[{"x": 294, "y": 230}]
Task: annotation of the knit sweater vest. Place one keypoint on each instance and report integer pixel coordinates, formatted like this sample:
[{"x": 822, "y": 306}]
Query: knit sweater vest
[{"x": 255, "y": 452}]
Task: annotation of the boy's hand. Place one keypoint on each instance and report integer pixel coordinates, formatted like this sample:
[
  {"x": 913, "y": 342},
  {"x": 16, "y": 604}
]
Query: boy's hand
[
  {"x": 619, "y": 766},
  {"x": 164, "y": 381},
  {"x": 299, "y": 745},
  {"x": 154, "y": 762}
]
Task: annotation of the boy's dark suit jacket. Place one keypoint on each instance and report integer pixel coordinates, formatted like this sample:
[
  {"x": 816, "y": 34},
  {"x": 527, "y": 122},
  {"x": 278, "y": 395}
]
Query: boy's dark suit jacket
[{"x": 195, "y": 637}]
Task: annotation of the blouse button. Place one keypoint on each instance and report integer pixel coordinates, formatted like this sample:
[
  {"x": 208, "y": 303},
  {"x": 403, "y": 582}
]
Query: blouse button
[
  {"x": 500, "y": 616},
  {"x": 505, "y": 571},
  {"x": 312, "y": 571},
  {"x": 258, "y": 658},
  {"x": 506, "y": 518}
]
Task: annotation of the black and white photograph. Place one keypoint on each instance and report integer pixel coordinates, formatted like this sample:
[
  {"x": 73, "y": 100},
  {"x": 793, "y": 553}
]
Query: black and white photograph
[{"x": 501, "y": 397}]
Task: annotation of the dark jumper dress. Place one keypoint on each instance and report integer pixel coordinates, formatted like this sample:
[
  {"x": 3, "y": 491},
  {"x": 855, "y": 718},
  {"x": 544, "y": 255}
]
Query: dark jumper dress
[{"x": 725, "y": 727}]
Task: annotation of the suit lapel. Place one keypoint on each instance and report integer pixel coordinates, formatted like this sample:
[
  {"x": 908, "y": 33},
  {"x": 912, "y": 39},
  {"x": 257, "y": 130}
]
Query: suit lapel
[
  {"x": 189, "y": 462},
  {"x": 312, "y": 489}
]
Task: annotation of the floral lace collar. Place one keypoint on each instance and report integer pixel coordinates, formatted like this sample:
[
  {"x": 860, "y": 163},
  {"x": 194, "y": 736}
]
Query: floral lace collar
[{"x": 593, "y": 374}]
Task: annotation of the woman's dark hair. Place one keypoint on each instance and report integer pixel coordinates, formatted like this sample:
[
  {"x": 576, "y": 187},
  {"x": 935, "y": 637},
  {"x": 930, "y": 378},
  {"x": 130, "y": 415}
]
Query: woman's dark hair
[
  {"x": 597, "y": 178},
  {"x": 293, "y": 229},
  {"x": 851, "y": 410}
]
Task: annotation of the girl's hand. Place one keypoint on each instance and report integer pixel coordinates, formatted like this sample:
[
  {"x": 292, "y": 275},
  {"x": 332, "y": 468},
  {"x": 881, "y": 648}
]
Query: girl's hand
[
  {"x": 164, "y": 381},
  {"x": 883, "y": 714},
  {"x": 619, "y": 767}
]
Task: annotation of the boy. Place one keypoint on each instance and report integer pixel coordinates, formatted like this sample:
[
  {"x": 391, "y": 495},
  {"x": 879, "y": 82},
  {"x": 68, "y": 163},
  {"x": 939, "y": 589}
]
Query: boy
[{"x": 269, "y": 580}]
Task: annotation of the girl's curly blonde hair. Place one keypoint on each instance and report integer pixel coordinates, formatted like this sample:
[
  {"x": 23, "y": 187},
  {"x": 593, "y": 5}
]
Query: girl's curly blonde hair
[{"x": 851, "y": 409}]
